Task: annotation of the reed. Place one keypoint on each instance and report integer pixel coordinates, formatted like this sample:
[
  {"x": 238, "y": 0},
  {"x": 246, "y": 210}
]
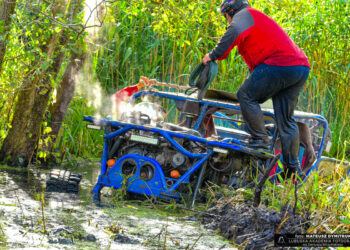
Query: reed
[
  {"x": 324, "y": 199},
  {"x": 167, "y": 41}
]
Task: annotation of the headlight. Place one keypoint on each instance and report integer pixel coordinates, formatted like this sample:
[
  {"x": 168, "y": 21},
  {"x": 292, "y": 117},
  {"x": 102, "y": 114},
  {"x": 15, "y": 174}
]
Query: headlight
[
  {"x": 220, "y": 150},
  {"x": 144, "y": 139}
]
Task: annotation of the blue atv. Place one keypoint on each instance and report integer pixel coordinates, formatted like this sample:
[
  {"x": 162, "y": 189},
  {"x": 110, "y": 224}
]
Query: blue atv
[{"x": 168, "y": 145}]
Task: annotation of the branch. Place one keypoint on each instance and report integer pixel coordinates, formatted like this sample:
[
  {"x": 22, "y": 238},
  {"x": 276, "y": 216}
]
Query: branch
[{"x": 259, "y": 188}]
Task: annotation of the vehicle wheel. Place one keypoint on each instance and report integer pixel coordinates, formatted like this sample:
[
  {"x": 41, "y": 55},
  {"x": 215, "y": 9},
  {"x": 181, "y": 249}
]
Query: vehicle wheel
[{"x": 63, "y": 181}]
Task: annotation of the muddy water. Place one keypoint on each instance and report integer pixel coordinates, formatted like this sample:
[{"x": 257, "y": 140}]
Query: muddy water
[{"x": 31, "y": 218}]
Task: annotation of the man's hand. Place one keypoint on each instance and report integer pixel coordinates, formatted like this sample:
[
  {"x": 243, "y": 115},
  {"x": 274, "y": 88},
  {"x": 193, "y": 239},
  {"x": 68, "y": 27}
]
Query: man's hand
[{"x": 206, "y": 59}]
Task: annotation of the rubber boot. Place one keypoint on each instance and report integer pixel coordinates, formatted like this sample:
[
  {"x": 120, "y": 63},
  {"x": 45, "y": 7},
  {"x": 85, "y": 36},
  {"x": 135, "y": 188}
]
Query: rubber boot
[{"x": 263, "y": 143}]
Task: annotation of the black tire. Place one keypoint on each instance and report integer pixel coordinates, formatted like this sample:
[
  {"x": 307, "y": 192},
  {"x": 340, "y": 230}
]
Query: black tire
[{"x": 63, "y": 181}]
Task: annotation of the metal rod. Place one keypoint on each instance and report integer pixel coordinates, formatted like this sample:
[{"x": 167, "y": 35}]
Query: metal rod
[
  {"x": 201, "y": 116},
  {"x": 199, "y": 183},
  {"x": 187, "y": 175},
  {"x": 228, "y": 119},
  {"x": 189, "y": 120}
]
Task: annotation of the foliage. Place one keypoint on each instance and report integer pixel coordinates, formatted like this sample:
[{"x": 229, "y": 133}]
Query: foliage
[
  {"x": 32, "y": 51},
  {"x": 166, "y": 40},
  {"x": 325, "y": 199},
  {"x": 74, "y": 136},
  {"x": 155, "y": 39}
]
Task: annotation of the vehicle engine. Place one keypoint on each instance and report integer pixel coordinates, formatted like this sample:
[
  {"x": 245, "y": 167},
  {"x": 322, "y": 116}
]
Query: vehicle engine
[{"x": 220, "y": 168}]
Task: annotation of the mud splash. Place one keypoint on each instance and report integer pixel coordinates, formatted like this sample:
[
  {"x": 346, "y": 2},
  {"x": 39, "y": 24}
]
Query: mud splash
[
  {"x": 252, "y": 227},
  {"x": 31, "y": 218}
]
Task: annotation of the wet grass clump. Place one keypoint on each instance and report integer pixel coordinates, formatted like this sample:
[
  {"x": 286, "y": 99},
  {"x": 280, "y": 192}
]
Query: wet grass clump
[{"x": 253, "y": 227}]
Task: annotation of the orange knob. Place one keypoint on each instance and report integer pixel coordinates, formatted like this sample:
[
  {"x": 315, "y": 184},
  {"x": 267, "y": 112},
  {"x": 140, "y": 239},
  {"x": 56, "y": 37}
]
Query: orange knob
[
  {"x": 110, "y": 162},
  {"x": 174, "y": 174}
]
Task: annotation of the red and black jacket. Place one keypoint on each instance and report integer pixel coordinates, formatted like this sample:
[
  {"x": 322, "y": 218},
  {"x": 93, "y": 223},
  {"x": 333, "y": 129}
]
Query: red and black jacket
[{"x": 259, "y": 39}]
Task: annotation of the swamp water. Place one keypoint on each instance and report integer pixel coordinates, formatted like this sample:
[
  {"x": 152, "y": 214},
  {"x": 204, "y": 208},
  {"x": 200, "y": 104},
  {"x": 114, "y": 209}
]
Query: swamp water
[{"x": 32, "y": 218}]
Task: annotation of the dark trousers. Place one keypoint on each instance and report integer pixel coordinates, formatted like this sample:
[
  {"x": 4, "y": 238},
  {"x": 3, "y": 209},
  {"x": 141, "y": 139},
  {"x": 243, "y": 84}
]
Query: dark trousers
[{"x": 283, "y": 84}]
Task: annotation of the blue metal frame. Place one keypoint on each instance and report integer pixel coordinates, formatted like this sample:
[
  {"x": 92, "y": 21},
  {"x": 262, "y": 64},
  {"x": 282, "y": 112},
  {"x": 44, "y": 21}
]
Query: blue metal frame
[
  {"x": 112, "y": 179},
  {"x": 227, "y": 144},
  {"x": 158, "y": 186},
  {"x": 207, "y": 104},
  {"x": 236, "y": 107}
]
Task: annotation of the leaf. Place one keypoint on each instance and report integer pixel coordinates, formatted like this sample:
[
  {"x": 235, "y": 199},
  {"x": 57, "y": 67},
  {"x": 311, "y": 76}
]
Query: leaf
[
  {"x": 47, "y": 130},
  {"x": 313, "y": 206},
  {"x": 44, "y": 66},
  {"x": 2, "y": 134},
  {"x": 42, "y": 154},
  {"x": 127, "y": 55},
  {"x": 2, "y": 26},
  {"x": 43, "y": 91},
  {"x": 345, "y": 221},
  {"x": 4, "y": 204},
  {"x": 20, "y": 160},
  {"x": 58, "y": 29}
]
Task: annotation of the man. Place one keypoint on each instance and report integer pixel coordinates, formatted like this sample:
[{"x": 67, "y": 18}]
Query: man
[{"x": 278, "y": 70}]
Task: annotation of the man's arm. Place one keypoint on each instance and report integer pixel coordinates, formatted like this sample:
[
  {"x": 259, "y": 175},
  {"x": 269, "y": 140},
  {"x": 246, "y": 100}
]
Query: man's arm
[
  {"x": 223, "y": 48},
  {"x": 225, "y": 45},
  {"x": 241, "y": 22}
]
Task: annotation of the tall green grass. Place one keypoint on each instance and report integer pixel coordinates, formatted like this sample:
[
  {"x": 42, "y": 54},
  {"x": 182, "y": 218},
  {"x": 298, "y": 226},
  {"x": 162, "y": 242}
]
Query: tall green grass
[
  {"x": 74, "y": 138},
  {"x": 324, "y": 199},
  {"x": 166, "y": 41}
]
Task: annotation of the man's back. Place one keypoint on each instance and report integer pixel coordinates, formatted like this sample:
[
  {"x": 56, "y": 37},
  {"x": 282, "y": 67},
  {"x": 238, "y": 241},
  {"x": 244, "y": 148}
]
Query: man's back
[{"x": 259, "y": 40}]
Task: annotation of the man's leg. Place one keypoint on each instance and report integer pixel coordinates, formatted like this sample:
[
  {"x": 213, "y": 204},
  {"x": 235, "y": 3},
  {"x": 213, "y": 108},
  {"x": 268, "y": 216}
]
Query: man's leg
[
  {"x": 284, "y": 103},
  {"x": 263, "y": 83}
]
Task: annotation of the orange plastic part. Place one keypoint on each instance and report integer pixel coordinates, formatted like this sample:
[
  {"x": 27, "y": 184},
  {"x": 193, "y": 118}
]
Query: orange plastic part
[
  {"x": 174, "y": 174},
  {"x": 110, "y": 162}
]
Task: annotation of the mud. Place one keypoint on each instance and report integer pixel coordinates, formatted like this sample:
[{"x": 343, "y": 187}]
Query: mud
[
  {"x": 252, "y": 227},
  {"x": 30, "y": 218}
]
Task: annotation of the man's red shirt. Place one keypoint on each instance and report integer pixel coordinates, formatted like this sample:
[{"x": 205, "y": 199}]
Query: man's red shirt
[{"x": 259, "y": 39}]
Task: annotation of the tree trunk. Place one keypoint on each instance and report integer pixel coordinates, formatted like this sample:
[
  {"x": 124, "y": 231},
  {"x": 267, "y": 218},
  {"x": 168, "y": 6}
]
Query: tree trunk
[
  {"x": 44, "y": 92},
  {"x": 39, "y": 108},
  {"x": 65, "y": 91},
  {"x": 14, "y": 149},
  {"x": 7, "y": 8},
  {"x": 16, "y": 135}
]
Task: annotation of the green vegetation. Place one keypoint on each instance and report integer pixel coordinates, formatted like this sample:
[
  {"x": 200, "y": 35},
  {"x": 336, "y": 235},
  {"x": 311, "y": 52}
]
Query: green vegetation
[
  {"x": 325, "y": 199},
  {"x": 166, "y": 40}
]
